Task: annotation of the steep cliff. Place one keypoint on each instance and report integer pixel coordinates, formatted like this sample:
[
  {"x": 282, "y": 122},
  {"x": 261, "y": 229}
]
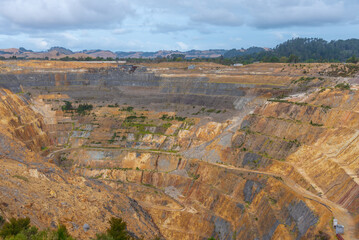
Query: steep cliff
[{"x": 30, "y": 186}]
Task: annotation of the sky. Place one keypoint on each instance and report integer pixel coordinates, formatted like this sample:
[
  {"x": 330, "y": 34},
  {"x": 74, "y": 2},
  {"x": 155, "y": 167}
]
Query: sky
[{"x": 151, "y": 25}]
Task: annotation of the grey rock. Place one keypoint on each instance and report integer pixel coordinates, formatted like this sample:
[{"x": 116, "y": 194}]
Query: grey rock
[
  {"x": 251, "y": 189},
  {"x": 302, "y": 216},
  {"x": 86, "y": 227},
  {"x": 251, "y": 158}
]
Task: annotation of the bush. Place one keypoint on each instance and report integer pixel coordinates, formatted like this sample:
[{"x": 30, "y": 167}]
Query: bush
[
  {"x": 129, "y": 109},
  {"x": 14, "y": 227},
  {"x": 117, "y": 229},
  {"x": 353, "y": 59},
  {"x": 103, "y": 236},
  {"x": 20, "y": 229},
  {"x": 2, "y": 221},
  {"x": 82, "y": 108},
  {"x": 62, "y": 233},
  {"x": 343, "y": 86},
  {"x": 67, "y": 106}
]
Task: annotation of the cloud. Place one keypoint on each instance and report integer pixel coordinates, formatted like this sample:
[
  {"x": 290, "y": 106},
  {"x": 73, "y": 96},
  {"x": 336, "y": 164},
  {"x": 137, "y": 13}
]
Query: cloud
[
  {"x": 64, "y": 14},
  {"x": 167, "y": 28},
  {"x": 260, "y": 13},
  {"x": 219, "y": 17},
  {"x": 281, "y": 13},
  {"x": 119, "y": 31},
  {"x": 163, "y": 16},
  {"x": 40, "y": 43},
  {"x": 182, "y": 46},
  {"x": 161, "y": 24}
]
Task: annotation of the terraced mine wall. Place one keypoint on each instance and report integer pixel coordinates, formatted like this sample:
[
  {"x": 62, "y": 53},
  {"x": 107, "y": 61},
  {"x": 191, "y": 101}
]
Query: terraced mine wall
[
  {"x": 138, "y": 87},
  {"x": 281, "y": 171}
]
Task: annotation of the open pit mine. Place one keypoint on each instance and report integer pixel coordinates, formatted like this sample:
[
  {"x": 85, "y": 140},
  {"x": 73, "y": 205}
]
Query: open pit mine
[{"x": 261, "y": 151}]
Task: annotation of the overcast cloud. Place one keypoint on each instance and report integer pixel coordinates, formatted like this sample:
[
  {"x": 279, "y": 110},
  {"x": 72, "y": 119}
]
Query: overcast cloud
[{"x": 162, "y": 24}]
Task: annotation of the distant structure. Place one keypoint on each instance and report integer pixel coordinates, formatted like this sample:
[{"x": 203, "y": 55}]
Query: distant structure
[
  {"x": 127, "y": 68},
  {"x": 237, "y": 65},
  {"x": 339, "y": 229},
  {"x": 191, "y": 67}
]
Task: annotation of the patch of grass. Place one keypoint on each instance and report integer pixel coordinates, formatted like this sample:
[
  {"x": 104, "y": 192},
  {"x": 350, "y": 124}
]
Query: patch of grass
[
  {"x": 149, "y": 185},
  {"x": 294, "y": 142},
  {"x": 278, "y": 100},
  {"x": 97, "y": 176},
  {"x": 272, "y": 200},
  {"x": 193, "y": 175},
  {"x": 315, "y": 124},
  {"x": 166, "y": 125},
  {"x": 303, "y": 80},
  {"x": 21, "y": 178},
  {"x": 343, "y": 86},
  {"x": 128, "y": 109},
  {"x": 135, "y": 118},
  {"x": 113, "y": 106},
  {"x": 44, "y": 148},
  {"x": 170, "y": 118},
  {"x": 325, "y": 107},
  {"x": 278, "y": 178},
  {"x": 113, "y": 138}
]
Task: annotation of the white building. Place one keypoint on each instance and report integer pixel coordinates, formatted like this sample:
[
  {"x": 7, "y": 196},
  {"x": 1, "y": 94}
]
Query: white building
[{"x": 237, "y": 65}]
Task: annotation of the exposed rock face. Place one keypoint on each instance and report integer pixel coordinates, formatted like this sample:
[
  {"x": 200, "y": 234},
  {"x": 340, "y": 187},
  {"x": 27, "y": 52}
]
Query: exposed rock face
[
  {"x": 31, "y": 187},
  {"x": 302, "y": 216},
  {"x": 19, "y": 121},
  {"x": 135, "y": 86},
  {"x": 278, "y": 169}
]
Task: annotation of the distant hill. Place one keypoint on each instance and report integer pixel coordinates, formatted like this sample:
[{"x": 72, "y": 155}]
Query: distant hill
[
  {"x": 294, "y": 50},
  {"x": 212, "y": 53},
  {"x": 301, "y": 50},
  {"x": 60, "y": 52},
  {"x": 318, "y": 49},
  {"x": 242, "y": 52}
]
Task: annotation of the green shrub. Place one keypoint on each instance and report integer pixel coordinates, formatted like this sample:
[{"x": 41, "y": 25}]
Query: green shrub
[
  {"x": 343, "y": 86},
  {"x": 315, "y": 124},
  {"x": 118, "y": 229},
  {"x": 128, "y": 109},
  {"x": 82, "y": 108},
  {"x": 112, "y": 106},
  {"x": 2, "y": 221},
  {"x": 103, "y": 236},
  {"x": 14, "y": 227},
  {"x": 20, "y": 229},
  {"x": 67, "y": 106},
  {"x": 62, "y": 233},
  {"x": 303, "y": 80}
]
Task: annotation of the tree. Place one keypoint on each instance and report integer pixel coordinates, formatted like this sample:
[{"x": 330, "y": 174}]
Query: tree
[
  {"x": 283, "y": 59},
  {"x": 293, "y": 58},
  {"x": 67, "y": 106},
  {"x": 353, "y": 59},
  {"x": 14, "y": 227},
  {"x": 117, "y": 229},
  {"x": 62, "y": 233},
  {"x": 82, "y": 108}
]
